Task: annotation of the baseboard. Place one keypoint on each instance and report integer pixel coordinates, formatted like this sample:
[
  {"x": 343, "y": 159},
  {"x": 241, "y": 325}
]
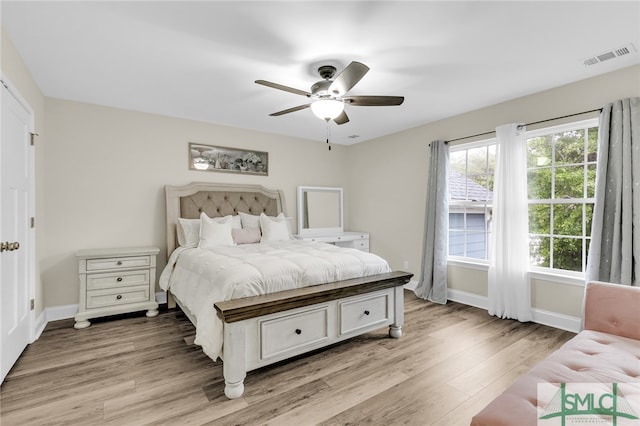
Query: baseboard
[
  {"x": 41, "y": 323},
  {"x": 556, "y": 320},
  {"x": 467, "y": 298},
  {"x": 56, "y": 313},
  {"x": 539, "y": 316},
  {"x": 161, "y": 297}
]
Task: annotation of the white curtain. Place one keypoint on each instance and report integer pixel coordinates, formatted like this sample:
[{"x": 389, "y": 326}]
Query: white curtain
[
  {"x": 614, "y": 253},
  {"x": 433, "y": 283},
  {"x": 509, "y": 293}
]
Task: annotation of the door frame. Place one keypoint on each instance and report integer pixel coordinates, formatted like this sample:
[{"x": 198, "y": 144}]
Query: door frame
[{"x": 31, "y": 246}]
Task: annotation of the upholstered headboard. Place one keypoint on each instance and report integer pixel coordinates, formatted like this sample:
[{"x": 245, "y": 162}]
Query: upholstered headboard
[{"x": 217, "y": 199}]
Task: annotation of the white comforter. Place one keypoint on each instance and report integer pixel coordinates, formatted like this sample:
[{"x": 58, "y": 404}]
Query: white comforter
[{"x": 199, "y": 277}]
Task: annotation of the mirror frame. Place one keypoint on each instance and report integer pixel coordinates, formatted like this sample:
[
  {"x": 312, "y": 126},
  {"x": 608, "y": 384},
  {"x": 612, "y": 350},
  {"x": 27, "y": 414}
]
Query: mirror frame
[{"x": 301, "y": 212}]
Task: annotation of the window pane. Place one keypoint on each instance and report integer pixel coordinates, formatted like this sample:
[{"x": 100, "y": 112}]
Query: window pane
[
  {"x": 540, "y": 218},
  {"x": 458, "y": 161},
  {"x": 539, "y": 151},
  {"x": 476, "y": 243},
  {"x": 569, "y": 182},
  {"x": 570, "y": 147},
  {"x": 477, "y": 161},
  {"x": 539, "y": 251},
  {"x": 539, "y": 183},
  {"x": 477, "y": 187},
  {"x": 491, "y": 161},
  {"x": 592, "y": 144},
  {"x": 591, "y": 180},
  {"x": 588, "y": 218},
  {"x": 567, "y": 254},
  {"x": 567, "y": 219},
  {"x": 456, "y": 243},
  {"x": 456, "y": 221}
]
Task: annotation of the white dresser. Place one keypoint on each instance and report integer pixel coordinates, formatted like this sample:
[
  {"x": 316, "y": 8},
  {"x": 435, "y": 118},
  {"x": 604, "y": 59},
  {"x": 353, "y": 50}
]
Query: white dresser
[
  {"x": 357, "y": 240},
  {"x": 116, "y": 281}
]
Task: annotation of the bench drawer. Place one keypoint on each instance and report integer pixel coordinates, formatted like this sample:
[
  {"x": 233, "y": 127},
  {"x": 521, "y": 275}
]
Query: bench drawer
[
  {"x": 293, "y": 333},
  {"x": 364, "y": 312}
]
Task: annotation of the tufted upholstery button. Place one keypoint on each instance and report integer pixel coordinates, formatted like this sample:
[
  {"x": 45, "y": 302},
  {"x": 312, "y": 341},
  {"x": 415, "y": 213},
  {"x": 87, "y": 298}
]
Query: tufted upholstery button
[
  {"x": 199, "y": 210},
  {"x": 250, "y": 210}
]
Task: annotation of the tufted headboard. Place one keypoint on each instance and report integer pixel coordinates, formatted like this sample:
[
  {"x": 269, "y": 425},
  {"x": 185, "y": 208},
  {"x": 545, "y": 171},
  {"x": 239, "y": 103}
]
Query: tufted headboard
[{"x": 216, "y": 200}]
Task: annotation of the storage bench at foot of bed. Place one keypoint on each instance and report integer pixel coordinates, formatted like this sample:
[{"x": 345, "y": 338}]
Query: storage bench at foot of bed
[{"x": 261, "y": 330}]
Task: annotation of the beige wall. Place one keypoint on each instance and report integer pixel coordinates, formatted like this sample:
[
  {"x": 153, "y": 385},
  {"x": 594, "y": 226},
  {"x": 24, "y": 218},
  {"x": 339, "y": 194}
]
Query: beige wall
[
  {"x": 15, "y": 71},
  {"x": 106, "y": 170},
  {"x": 396, "y": 166}
]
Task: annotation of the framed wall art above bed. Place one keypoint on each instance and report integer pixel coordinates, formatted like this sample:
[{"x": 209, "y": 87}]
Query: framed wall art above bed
[{"x": 224, "y": 159}]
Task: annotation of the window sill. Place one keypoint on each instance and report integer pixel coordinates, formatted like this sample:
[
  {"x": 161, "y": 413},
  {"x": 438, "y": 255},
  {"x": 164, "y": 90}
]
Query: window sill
[{"x": 568, "y": 278}]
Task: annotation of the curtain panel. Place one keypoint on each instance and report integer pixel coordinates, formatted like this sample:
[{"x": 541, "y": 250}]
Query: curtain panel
[
  {"x": 614, "y": 252},
  {"x": 509, "y": 291},
  {"x": 433, "y": 283}
]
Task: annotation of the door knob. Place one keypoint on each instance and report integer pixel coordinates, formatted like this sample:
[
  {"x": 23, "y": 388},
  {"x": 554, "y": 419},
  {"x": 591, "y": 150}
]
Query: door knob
[{"x": 7, "y": 246}]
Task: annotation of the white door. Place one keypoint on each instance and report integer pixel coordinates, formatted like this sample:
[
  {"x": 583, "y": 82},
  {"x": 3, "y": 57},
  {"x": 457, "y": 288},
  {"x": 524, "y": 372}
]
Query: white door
[{"x": 15, "y": 208}]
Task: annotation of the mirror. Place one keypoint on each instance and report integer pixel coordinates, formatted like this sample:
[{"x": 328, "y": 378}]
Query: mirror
[{"x": 319, "y": 211}]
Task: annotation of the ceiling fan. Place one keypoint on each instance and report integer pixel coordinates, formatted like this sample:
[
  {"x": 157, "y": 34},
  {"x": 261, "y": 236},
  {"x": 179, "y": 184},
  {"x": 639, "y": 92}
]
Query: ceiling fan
[{"x": 328, "y": 95}]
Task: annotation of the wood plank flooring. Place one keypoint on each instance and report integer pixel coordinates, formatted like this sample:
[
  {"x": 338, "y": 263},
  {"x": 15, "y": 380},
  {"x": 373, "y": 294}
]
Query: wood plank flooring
[{"x": 133, "y": 370}]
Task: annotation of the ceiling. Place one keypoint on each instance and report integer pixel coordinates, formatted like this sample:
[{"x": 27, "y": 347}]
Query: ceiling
[{"x": 199, "y": 60}]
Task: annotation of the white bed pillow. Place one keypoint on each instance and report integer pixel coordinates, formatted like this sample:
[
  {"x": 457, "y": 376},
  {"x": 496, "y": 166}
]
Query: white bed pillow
[
  {"x": 249, "y": 220},
  {"x": 188, "y": 231},
  {"x": 215, "y": 232},
  {"x": 236, "y": 223},
  {"x": 274, "y": 228}
]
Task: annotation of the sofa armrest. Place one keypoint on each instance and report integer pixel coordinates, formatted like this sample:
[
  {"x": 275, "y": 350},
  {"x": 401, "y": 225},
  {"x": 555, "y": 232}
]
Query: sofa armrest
[{"x": 612, "y": 308}]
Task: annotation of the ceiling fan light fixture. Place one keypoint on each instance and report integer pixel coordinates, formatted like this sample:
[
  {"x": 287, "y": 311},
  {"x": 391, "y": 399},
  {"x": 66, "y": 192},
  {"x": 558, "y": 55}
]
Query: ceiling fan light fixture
[{"x": 327, "y": 109}]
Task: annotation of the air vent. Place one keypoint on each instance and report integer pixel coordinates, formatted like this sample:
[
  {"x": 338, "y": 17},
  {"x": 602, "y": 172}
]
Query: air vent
[{"x": 605, "y": 56}]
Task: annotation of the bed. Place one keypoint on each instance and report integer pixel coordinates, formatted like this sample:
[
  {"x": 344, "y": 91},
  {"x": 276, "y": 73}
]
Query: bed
[{"x": 272, "y": 299}]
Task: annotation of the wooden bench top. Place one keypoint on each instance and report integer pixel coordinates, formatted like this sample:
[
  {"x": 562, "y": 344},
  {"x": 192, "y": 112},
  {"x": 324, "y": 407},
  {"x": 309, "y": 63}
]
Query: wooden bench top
[{"x": 255, "y": 306}]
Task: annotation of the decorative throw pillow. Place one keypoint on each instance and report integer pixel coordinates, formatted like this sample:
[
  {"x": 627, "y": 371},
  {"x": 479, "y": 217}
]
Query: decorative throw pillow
[
  {"x": 246, "y": 235},
  {"x": 249, "y": 220},
  {"x": 215, "y": 232},
  {"x": 188, "y": 231},
  {"x": 236, "y": 223},
  {"x": 274, "y": 228}
]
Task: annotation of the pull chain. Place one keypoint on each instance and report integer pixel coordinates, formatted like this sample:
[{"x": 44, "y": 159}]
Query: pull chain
[{"x": 328, "y": 144}]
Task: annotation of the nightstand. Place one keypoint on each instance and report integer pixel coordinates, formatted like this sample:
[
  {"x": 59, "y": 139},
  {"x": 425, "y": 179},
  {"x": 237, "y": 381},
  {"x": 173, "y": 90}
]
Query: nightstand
[{"x": 116, "y": 281}]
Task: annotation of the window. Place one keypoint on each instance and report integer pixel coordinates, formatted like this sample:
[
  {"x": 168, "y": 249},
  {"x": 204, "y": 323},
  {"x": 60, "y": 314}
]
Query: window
[
  {"x": 561, "y": 185},
  {"x": 471, "y": 194}
]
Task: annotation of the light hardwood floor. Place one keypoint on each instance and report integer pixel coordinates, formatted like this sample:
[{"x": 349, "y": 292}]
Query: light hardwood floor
[{"x": 451, "y": 361}]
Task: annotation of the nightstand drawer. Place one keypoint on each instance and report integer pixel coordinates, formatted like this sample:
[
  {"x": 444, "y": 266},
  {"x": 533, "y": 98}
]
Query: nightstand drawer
[
  {"x": 115, "y": 297},
  {"x": 293, "y": 333},
  {"x": 364, "y": 312},
  {"x": 118, "y": 263},
  {"x": 117, "y": 279},
  {"x": 361, "y": 244}
]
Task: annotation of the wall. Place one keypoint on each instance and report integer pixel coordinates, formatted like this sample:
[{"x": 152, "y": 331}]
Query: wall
[
  {"x": 396, "y": 166},
  {"x": 16, "y": 72},
  {"x": 106, "y": 169}
]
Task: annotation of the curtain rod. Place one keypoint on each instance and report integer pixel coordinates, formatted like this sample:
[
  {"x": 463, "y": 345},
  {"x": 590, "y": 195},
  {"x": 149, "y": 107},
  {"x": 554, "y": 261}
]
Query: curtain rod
[{"x": 527, "y": 124}]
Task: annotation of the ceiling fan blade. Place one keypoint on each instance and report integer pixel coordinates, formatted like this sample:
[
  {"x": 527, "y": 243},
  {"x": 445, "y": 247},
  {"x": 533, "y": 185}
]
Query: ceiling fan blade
[
  {"x": 374, "y": 100},
  {"x": 342, "y": 118},
  {"x": 348, "y": 78},
  {"x": 287, "y": 111},
  {"x": 285, "y": 88}
]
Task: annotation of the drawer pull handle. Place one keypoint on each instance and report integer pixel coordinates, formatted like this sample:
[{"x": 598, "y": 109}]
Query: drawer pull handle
[
  {"x": 119, "y": 279},
  {"x": 119, "y": 297},
  {"x": 119, "y": 262},
  {"x": 366, "y": 312},
  {"x": 298, "y": 331}
]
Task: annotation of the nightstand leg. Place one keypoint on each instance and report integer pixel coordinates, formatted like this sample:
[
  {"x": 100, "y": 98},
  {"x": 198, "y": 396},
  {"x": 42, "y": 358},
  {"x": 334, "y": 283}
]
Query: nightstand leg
[
  {"x": 152, "y": 312},
  {"x": 81, "y": 324}
]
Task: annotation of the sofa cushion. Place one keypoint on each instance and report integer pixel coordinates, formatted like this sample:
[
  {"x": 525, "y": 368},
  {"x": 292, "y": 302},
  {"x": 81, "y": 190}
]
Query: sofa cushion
[{"x": 590, "y": 357}]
